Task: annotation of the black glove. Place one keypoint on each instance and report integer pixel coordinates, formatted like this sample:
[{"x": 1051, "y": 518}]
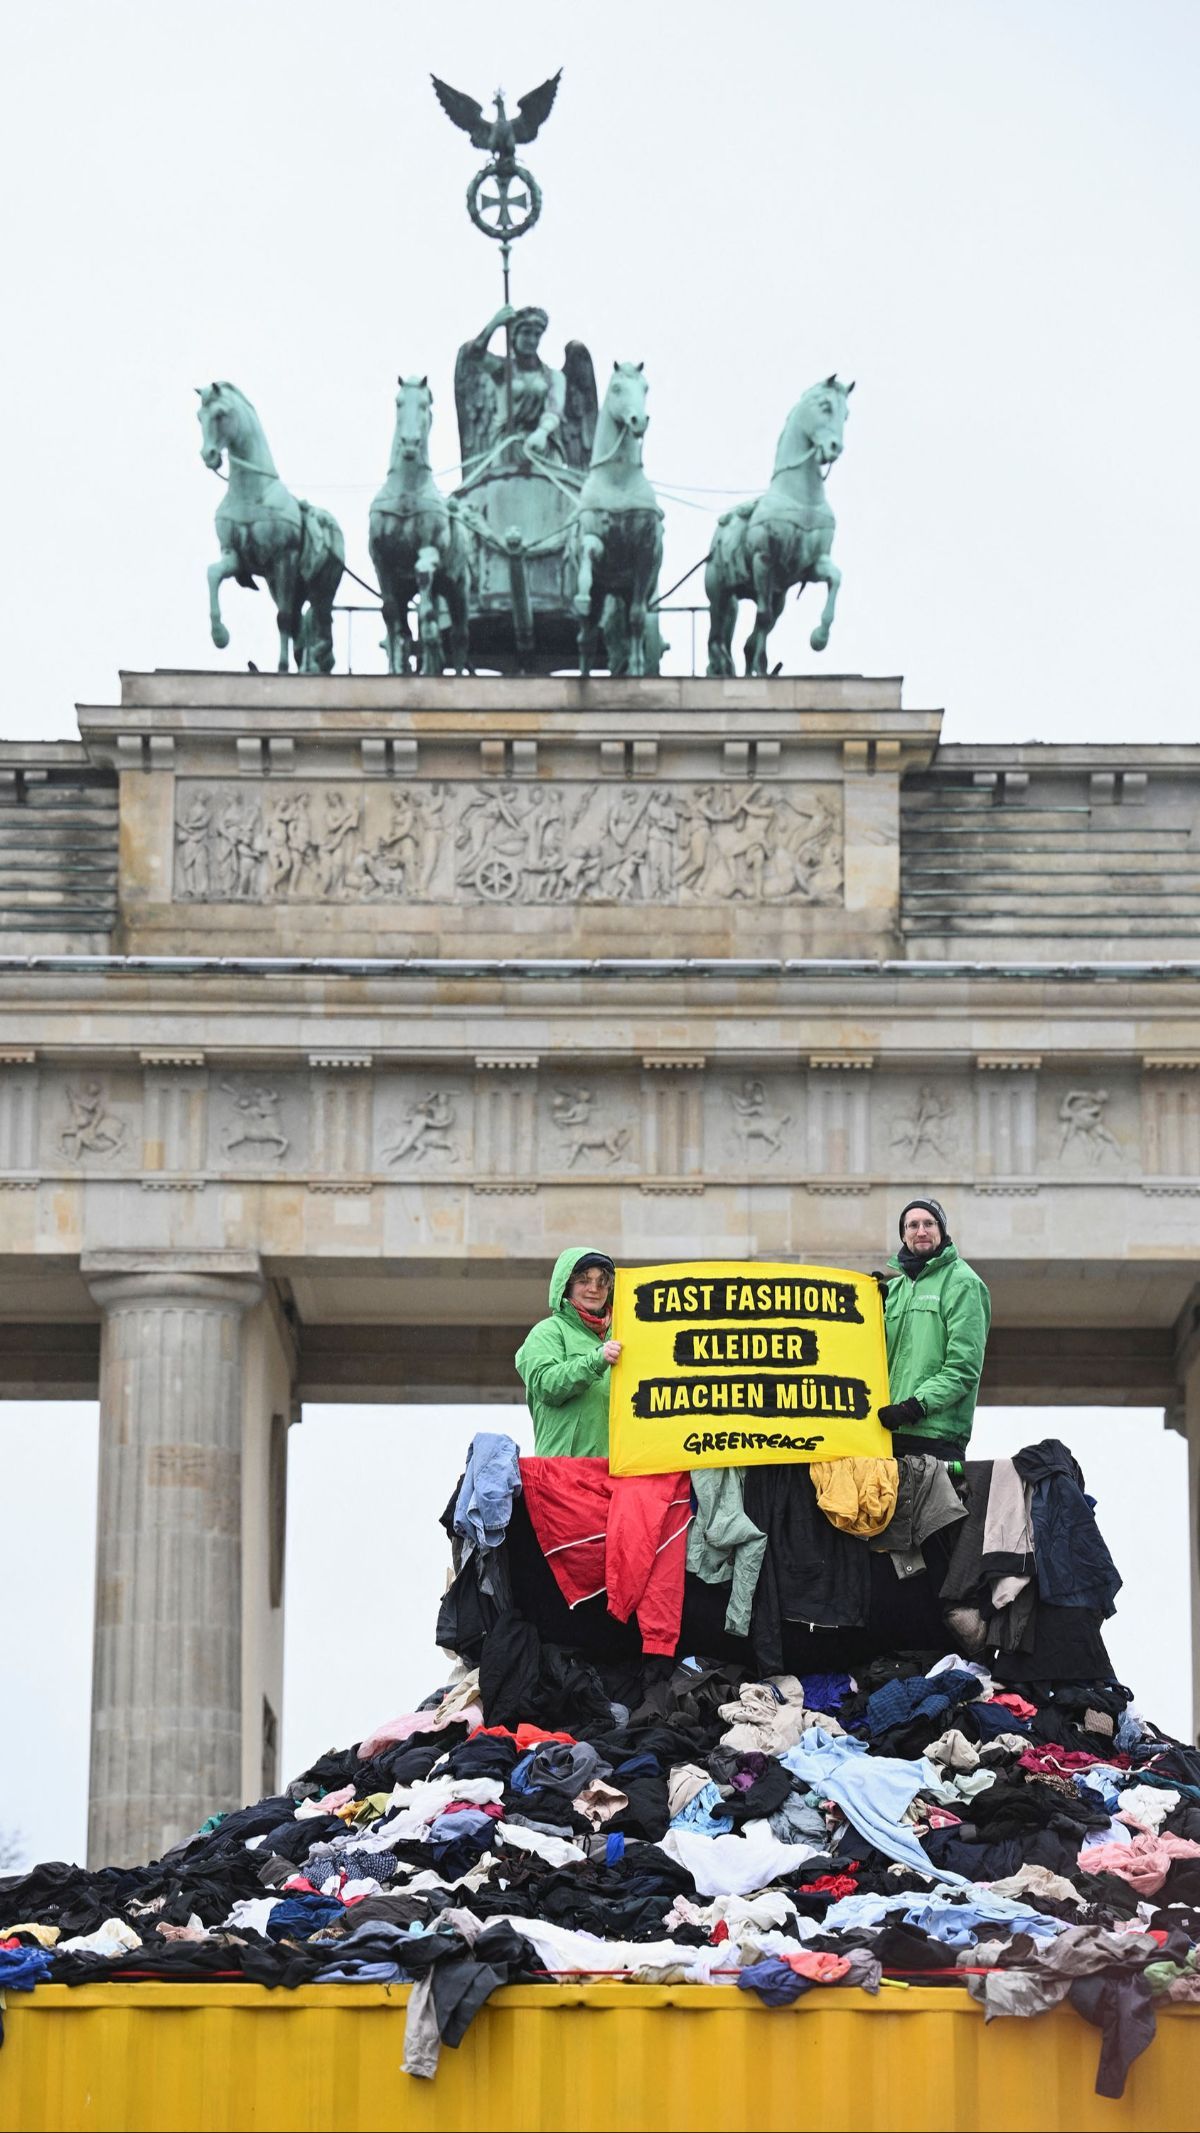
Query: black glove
[
  {"x": 904, "y": 1415},
  {"x": 882, "y": 1282}
]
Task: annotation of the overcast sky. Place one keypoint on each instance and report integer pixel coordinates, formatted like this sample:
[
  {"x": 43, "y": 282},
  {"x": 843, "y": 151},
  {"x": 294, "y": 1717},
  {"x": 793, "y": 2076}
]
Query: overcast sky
[{"x": 986, "y": 214}]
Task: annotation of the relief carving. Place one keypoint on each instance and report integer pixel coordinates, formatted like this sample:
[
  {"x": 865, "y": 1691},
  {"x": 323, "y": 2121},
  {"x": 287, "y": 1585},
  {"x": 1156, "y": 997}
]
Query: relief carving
[
  {"x": 258, "y": 1123},
  {"x": 291, "y": 852},
  {"x": 1081, "y": 1119},
  {"x": 403, "y": 858},
  {"x": 425, "y": 1130},
  {"x": 191, "y": 840},
  {"x": 753, "y": 1122},
  {"x": 240, "y": 849},
  {"x": 744, "y": 841},
  {"x": 508, "y": 842},
  {"x": 571, "y": 1110},
  {"x": 93, "y": 1130},
  {"x": 930, "y": 1124},
  {"x": 337, "y": 842}
]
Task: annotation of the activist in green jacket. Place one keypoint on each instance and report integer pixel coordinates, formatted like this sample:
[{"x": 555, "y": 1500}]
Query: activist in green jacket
[
  {"x": 936, "y": 1316},
  {"x": 565, "y": 1359}
]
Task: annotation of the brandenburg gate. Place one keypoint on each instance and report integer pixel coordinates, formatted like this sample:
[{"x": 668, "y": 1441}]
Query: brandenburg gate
[{"x": 332, "y": 1007}]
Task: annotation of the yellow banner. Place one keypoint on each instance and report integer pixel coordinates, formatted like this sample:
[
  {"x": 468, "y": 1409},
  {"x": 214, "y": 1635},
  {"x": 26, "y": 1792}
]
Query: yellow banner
[{"x": 725, "y": 1363}]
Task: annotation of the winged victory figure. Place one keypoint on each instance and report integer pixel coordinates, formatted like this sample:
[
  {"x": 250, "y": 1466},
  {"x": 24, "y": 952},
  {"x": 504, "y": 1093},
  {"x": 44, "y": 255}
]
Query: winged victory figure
[{"x": 499, "y": 137}]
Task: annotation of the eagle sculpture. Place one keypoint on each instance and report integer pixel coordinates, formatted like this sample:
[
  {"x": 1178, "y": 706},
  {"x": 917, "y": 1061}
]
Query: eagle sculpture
[{"x": 500, "y": 136}]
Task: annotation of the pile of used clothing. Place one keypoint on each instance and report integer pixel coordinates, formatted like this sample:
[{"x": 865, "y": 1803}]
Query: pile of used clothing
[{"x": 807, "y": 1805}]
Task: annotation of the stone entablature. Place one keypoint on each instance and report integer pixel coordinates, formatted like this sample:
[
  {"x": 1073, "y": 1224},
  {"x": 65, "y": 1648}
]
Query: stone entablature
[
  {"x": 820, "y": 1123},
  {"x": 369, "y": 816},
  {"x": 381, "y": 1079}
]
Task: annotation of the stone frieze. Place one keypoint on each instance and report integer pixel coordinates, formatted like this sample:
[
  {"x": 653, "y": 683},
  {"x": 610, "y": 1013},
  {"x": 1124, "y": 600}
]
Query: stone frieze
[
  {"x": 507, "y": 842},
  {"x": 505, "y": 1123}
]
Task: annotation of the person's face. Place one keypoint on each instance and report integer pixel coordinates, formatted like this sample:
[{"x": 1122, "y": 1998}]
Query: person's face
[
  {"x": 921, "y": 1231},
  {"x": 526, "y": 338},
  {"x": 590, "y": 1289}
]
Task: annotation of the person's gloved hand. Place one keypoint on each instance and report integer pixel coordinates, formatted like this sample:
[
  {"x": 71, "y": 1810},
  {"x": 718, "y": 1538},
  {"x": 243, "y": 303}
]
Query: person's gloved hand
[
  {"x": 882, "y": 1282},
  {"x": 904, "y": 1415}
]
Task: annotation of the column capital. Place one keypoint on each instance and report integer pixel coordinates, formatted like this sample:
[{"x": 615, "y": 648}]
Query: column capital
[{"x": 197, "y": 1277}]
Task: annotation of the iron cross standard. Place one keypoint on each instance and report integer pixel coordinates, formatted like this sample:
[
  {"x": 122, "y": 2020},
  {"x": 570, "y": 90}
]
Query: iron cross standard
[{"x": 492, "y": 212}]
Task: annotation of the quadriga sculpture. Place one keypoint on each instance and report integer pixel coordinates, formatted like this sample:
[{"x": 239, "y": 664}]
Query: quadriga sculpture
[
  {"x": 617, "y": 536},
  {"x": 781, "y": 539},
  {"x": 266, "y": 532},
  {"x": 418, "y": 545}
]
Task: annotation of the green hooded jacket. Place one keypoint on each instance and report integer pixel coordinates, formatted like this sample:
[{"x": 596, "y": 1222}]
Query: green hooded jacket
[
  {"x": 937, "y": 1328},
  {"x": 565, "y": 1375}
]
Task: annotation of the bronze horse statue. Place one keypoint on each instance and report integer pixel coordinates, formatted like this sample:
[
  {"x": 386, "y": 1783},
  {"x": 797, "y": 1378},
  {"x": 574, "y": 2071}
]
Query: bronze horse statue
[
  {"x": 266, "y": 532},
  {"x": 419, "y": 546},
  {"x": 617, "y": 536},
  {"x": 780, "y": 539}
]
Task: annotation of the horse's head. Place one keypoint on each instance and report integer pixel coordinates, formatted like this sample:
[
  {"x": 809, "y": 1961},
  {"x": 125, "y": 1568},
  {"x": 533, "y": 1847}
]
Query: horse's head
[
  {"x": 821, "y": 413},
  {"x": 625, "y": 400},
  {"x": 414, "y": 416},
  {"x": 221, "y": 415}
]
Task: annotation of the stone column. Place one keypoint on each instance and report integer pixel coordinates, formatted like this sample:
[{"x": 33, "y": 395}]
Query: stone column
[{"x": 167, "y": 1671}]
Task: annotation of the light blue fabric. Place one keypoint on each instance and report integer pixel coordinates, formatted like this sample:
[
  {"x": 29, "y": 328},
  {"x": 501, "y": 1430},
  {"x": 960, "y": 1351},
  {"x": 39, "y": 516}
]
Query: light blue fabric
[
  {"x": 955, "y": 1923},
  {"x": 850, "y": 1912},
  {"x": 1116, "y": 1833},
  {"x": 703, "y": 1813},
  {"x": 354, "y": 1971},
  {"x": 937, "y": 1915},
  {"x": 872, "y": 1792},
  {"x": 1105, "y": 1781},
  {"x": 490, "y": 1481},
  {"x": 467, "y": 1822}
]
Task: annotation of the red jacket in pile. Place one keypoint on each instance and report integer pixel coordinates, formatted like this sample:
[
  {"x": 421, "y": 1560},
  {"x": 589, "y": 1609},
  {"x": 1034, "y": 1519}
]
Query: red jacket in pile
[{"x": 626, "y": 1537}]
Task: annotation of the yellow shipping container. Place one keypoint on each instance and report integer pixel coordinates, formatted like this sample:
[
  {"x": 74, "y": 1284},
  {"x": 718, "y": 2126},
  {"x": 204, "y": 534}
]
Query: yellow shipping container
[{"x": 627, "y": 2057}]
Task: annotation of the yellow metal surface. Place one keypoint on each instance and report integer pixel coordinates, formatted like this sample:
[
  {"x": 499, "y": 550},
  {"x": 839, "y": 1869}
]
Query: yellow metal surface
[{"x": 626, "y": 2057}]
